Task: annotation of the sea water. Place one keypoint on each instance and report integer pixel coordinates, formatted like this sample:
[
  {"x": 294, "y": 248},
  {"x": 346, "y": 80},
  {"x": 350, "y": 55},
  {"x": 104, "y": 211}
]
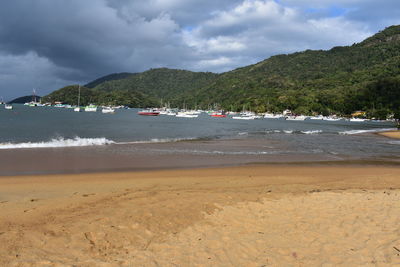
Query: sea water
[{"x": 128, "y": 134}]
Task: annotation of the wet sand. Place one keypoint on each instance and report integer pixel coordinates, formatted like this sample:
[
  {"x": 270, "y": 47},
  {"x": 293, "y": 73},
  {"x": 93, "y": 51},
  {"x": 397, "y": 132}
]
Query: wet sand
[
  {"x": 137, "y": 157},
  {"x": 259, "y": 215},
  {"x": 391, "y": 134}
]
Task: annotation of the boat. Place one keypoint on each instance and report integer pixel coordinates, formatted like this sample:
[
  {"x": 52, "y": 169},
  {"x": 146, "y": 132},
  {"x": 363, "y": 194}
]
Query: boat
[
  {"x": 149, "y": 112},
  {"x": 318, "y": 117},
  {"x": 78, "y": 108},
  {"x": 296, "y": 118},
  {"x": 357, "y": 119},
  {"x": 91, "y": 108},
  {"x": 8, "y": 106},
  {"x": 243, "y": 117},
  {"x": 331, "y": 118},
  {"x": 108, "y": 110},
  {"x": 186, "y": 115},
  {"x": 272, "y": 116},
  {"x": 33, "y": 103},
  {"x": 218, "y": 115}
]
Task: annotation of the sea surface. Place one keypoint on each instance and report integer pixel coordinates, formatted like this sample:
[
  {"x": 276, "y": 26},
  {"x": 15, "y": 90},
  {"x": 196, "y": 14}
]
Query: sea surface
[{"x": 48, "y": 140}]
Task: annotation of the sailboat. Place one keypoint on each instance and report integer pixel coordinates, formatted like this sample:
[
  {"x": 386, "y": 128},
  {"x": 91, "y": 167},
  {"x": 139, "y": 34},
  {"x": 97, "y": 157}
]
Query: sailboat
[
  {"x": 8, "y": 106},
  {"x": 78, "y": 108},
  {"x": 34, "y": 102}
]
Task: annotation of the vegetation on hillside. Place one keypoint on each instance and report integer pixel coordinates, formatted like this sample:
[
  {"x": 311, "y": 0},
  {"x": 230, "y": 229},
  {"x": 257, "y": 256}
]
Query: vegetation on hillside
[
  {"x": 24, "y": 99},
  {"x": 364, "y": 76},
  {"x": 163, "y": 83},
  {"x": 111, "y": 77},
  {"x": 69, "y": 94}
]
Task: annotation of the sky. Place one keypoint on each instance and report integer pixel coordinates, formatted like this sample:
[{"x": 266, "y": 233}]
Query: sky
[{"x": 48, "y": 44}]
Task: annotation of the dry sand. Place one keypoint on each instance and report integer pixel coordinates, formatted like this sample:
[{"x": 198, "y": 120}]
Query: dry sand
[
  {"x": 391, "y": 134},
  {"x": 275, "y": 215}
]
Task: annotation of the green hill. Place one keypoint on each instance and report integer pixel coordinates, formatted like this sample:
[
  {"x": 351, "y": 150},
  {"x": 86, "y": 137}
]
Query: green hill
[
  {"x": 69, "y": 95},
  {"x": 364, "y": 76},
  {"x": 163, "y": 83},
  {"x": 340, "y": 80},
  {"x": 110, "y": 77},
  {"x": 24, "y": 99}
]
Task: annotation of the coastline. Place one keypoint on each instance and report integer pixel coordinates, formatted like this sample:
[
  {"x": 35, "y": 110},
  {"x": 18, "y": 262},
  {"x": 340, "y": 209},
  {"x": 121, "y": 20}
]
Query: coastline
[
  {"x": 210, "y": 216},
  {"x": 391, "y": 134}
]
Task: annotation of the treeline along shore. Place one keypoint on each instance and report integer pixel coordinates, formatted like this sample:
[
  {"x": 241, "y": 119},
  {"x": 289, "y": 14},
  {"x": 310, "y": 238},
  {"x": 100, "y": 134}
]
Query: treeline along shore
[{"x": 362, "y": 77}]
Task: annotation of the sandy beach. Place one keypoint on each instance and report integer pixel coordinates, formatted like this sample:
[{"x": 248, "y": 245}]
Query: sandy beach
[
  {"x": 260, "y": 215},
  {"x": 391, "y": 134}
]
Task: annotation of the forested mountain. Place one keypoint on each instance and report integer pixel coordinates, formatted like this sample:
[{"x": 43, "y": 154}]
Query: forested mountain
[
  {"x": 167, "y": 84},
  {"x": 24, "y": 99},
  {"x": 340, "y": 80},
  {"x": 69, "y": 94},
  {"x": 110, "y": 77},
  {"x": 364, "y": 76}
]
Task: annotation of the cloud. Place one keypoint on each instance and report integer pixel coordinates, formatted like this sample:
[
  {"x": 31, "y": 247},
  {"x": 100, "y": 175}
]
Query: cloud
[
  {"x": 254, "y": 30},
  {"x": 73, "y": 41},
  {"x": 20, "y": 74}
]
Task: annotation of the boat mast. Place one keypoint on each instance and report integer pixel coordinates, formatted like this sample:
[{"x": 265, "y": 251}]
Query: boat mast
[
  {"x": 33, "y": 95},
  {"x": 79, "y": 95}
]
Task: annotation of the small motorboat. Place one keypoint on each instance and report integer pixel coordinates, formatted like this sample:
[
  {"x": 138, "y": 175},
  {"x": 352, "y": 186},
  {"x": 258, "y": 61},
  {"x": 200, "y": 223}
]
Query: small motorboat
[{"x": 149, "y": 112}]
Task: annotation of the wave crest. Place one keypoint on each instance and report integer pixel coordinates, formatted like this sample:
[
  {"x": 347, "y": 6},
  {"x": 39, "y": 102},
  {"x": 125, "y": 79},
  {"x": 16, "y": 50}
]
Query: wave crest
[
  {"x": 351, "y": 132},
  {"x": 59, "y": 142}
]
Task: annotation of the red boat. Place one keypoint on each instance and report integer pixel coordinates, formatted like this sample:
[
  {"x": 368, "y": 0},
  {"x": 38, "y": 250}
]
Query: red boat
[
  {"x": 218, "y": 115},
  {"x": 149, "y": 112}
]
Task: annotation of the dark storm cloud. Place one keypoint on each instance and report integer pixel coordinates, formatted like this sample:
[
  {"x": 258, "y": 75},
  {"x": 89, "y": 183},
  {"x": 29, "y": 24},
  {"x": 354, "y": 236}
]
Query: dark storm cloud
[{"x": 52, "y": 43}]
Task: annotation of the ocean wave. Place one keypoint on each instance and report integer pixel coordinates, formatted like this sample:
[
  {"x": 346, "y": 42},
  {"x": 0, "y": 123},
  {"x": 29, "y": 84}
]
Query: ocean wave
[
  {"x": 312, "y": 132},
  {"x": 393, "y": 142},
  {"x": 351, "y": 132},
  {"x": 159, "y": 140},
  {"x": 59, "y": 142},
  {"x": 219, "y": 152}
]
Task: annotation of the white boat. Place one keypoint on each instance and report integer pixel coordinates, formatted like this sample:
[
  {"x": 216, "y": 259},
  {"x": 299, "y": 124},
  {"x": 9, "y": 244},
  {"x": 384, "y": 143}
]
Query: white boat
[
  {"x": 243, "y": 117},
  {"x": 33, "y": 103},
  {"x": 108, "y": 110},
  {"x": 186, "y": 115},
  {"x": 332, "y": 119},
  {"x": 296, "y": 118},
  {"x": 8, "y": 106},
  {"x": 357, "y": 120},
  {"x": 91, "y": 108},
  {"x": 171, "y": 113},
  {"x": 319, "y": 117},
  {"x": 272, "y": 116}
]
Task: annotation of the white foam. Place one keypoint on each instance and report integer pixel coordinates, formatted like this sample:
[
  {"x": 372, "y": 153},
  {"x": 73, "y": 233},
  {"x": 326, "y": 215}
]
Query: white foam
[
  {"x": 287, "y": 131},
  {"x": 158, "y": 140},
  {"x": 393, "y": 142},
  {"x": 59, "y": 142},
  {"x": 351, "y": 132},
  {"x": 312, "y": 132}
]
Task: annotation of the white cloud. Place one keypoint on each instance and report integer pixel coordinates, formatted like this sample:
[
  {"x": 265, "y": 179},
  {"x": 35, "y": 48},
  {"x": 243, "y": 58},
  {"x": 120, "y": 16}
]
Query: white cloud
[
  {"x": 73, "y": 41},
  {"x": 257, "y": 29}
]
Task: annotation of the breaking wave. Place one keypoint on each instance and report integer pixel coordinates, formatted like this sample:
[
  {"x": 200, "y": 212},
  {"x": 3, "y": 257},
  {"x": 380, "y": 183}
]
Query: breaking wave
[
  {"x": 59, "y": 142},
  {"x": 159, "y": 140},
  {"x": 351, "y": 132},
  {"x": 312, "y": 132}
]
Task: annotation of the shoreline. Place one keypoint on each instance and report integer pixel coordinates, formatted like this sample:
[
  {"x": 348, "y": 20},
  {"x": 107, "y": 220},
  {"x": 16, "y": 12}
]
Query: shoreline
[
  {"x": 391, "y": 134},
  {"x": 306, "y": 163},
  {"x": 251, "y": 215}
]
